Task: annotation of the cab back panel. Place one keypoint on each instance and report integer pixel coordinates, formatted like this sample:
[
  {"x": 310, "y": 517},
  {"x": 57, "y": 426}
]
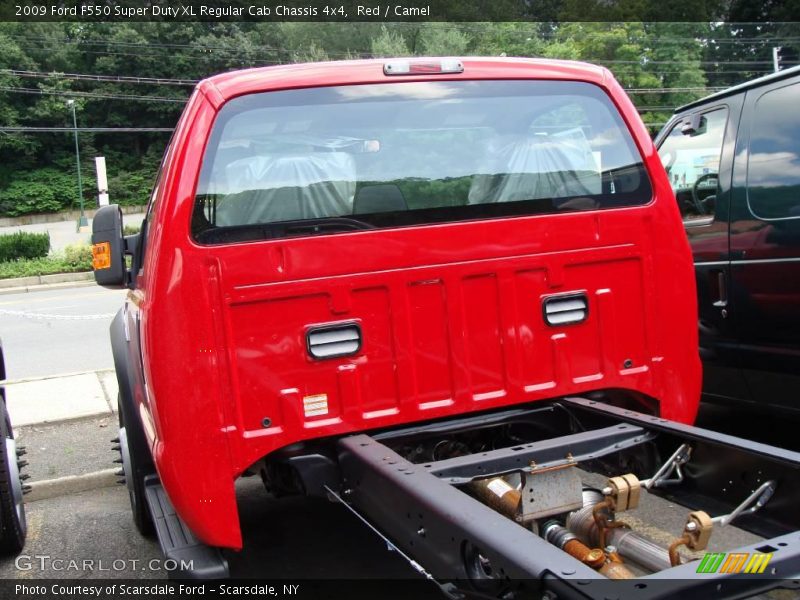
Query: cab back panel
[{"x": 444, "y": 338}]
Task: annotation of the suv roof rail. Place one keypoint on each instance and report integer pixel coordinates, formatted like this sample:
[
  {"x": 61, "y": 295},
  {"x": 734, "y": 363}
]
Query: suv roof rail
[{"x": 741, "y": 87}]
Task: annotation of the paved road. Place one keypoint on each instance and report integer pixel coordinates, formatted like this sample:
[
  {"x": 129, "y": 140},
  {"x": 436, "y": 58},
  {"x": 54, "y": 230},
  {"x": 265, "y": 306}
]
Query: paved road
[
  {"x": 42, "y": 344},
  {"x": 92, "y": 526},
  {"x": 291, "y": 538}
]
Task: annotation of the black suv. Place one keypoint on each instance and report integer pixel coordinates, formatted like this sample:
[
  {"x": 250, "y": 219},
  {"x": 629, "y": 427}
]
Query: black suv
[{"x": 733, "y": 159}]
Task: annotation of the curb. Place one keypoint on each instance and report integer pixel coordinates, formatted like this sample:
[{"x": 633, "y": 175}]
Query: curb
[
  {"x": 58, "y": 376},
  {"x": 38, "y": 283},
  {"x": 67, "y": 420},
  {"x": 70, "y": 484}
]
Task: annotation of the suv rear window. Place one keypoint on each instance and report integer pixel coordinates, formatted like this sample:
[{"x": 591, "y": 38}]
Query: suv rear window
[{"x": 333, "y": 159}]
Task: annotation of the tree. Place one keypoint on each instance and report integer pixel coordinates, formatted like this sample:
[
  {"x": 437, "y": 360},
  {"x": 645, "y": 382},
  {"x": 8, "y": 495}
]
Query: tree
[
  {"x": 389, "y": 44},
  {"x": 443, "y": 39},
  {"x": 663, "y": 64}
]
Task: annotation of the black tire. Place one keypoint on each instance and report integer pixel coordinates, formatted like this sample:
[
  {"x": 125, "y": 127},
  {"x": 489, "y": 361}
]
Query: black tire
[
  {"x": 136, "y": 465},
  {"x": 13, "y": 526}
]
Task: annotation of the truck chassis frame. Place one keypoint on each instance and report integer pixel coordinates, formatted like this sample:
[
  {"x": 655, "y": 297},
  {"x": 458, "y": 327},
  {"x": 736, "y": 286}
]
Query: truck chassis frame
[{"x": 452, "y": 536}]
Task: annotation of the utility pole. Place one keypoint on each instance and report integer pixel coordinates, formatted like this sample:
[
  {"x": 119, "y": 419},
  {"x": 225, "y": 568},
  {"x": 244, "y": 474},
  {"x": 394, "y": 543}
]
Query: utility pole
[
  {"x": 102, "y": 181},
  {"x": 82, "y": 220},
  {"x": 776, "y": 58}
]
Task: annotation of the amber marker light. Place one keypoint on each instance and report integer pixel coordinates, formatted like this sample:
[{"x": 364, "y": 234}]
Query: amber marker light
[{"x": 101, "y": 256}]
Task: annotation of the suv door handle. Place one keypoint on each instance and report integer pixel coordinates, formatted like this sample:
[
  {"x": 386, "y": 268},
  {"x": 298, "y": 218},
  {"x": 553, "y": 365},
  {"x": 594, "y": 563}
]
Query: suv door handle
[{"x": 721, "y": 288}]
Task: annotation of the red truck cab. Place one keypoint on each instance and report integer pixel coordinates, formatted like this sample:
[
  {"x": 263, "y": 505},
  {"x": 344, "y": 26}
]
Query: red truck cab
[{"x": 359, "y": 247}]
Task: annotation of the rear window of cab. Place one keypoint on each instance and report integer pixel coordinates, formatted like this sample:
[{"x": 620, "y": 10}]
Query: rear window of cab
[{"x": 327, "y": 160}]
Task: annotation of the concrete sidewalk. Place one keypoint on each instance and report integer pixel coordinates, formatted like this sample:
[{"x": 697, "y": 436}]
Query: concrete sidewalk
[
  {"x": 61, "y": 397},
  {"x": 66, "y": 423}
]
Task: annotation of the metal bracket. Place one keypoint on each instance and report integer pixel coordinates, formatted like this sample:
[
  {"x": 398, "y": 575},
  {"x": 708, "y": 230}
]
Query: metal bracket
[{"x": 549, "y": 491}]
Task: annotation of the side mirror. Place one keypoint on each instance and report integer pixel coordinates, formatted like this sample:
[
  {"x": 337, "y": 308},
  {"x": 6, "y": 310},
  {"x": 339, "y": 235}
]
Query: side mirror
[
  {"x": 695, "y": 124},
  {"x": 108, "y": 248}
]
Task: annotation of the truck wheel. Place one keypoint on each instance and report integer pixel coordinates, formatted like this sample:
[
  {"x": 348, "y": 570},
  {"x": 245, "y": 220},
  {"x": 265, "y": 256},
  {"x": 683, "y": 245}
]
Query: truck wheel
[
  {"x": 135, "y": 464},
  {"x": 13, "y": 526}
]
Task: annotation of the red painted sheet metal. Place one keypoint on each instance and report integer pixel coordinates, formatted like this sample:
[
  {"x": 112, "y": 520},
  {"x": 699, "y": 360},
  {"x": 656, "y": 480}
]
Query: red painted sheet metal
[{"x": 439, "y": 339}]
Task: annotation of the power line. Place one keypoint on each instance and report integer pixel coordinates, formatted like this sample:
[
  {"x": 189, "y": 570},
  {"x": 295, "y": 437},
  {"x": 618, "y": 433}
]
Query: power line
[
  {"x": 206, "y": 51},
  {"x": 84, "y": 129},
  {"x": 530, "y": 33},
  {"x": 155, "y": 45},
  {"x": 274, "y": 61},
  {"x": 20, "y": 90},
  {"x": 710, "y": 72},
  {"x": 156, "y": 52},
  {"x": 192, "y": 82},
  {"x": 704, "y": 90},
  {"x": 675, "y": 90},
  {"x": 168, "y": 55},
  {"x": 91, "y": 77},
  {"x": 710, "y": 36},
  {"x": 645, "y": 62}
]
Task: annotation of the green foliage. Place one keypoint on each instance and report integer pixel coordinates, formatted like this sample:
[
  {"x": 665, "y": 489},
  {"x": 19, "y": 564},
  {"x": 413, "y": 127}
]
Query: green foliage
[
  {"x": 131, "y": 229},
  {"x": 389, "y": 44},
  {"x": 131, "y": 188},
  {"x": 43, "y": 190},
  {"x": 72, "y": 259},
  {"x": 23, "y": 244},
  {"x": 78, "y": 256},
  {"x": 675, "y": 60},
  {"x": 443, "y": 39},
  {"x": 41, "y": 266}
]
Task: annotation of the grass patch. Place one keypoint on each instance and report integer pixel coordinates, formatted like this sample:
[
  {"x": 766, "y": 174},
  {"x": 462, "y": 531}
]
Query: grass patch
[{"x": 48, "y": 265}]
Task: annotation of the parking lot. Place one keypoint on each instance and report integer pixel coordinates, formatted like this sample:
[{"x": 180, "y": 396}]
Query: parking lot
[{"x": 91, "y": 535}]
